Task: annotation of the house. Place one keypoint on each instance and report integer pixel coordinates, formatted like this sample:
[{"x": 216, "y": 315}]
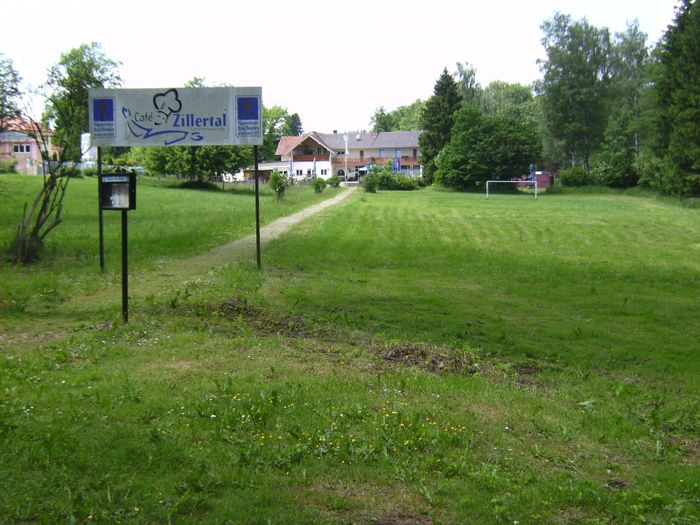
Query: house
[
  {"x": 19, "y": 142},
  {"x": 348, "y": 155}
]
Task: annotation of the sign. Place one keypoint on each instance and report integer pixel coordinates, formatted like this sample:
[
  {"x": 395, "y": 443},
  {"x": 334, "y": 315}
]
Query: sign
[
  {"x": 176, "y": 116},
  {"x": 118, "y": 191}
]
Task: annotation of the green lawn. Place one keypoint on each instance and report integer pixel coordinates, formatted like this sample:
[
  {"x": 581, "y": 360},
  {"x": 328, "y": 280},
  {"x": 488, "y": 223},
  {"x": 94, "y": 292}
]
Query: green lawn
[{"x": 403, "y": 358}]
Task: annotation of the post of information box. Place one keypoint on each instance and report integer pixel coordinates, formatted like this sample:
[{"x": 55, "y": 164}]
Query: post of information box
[{"x": 118, "y": 192}]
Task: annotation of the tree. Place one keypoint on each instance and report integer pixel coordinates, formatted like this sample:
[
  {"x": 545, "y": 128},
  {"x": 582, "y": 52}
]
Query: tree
[
  {"x": 408, "y": 118},
  {"x": 498, "y": 96},
  {"x": 68, "y": 82},
  {"x": 437, "y": 120},
  {"x": 382, "y": 121},
  {"x": 630, "y": 57},
  {"x": 575, "y": 84},
  {"x": 9, "y": 91},
  {"x": 292, "y": 125},
  {"x": 275, "y": 119},
  {"x": 66, "y": 90},
  {"x": 617, "y": 163},
  {"x": 467, "y": 85},
  {"x": 678, "y": 96},
  {"x": 483, "y": 147},
  {"x": 403, "y": 118}
]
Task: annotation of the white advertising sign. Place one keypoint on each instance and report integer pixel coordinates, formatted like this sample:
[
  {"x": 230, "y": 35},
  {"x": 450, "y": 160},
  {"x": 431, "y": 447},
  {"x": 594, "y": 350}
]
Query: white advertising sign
[{"x": 176, "y": 116}]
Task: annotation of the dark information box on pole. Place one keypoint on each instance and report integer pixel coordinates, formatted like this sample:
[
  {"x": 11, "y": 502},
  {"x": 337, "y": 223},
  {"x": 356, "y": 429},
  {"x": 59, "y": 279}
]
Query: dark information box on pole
[{"x": 118, "y": 192}]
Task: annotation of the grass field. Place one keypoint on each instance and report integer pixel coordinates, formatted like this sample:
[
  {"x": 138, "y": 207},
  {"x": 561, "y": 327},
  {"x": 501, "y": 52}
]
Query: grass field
[{"x": 404, "y": 358}]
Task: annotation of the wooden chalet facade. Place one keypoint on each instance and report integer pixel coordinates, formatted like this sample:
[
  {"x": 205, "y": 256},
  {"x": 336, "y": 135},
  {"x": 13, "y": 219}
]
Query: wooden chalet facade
[{"x": 349, "y": 155}]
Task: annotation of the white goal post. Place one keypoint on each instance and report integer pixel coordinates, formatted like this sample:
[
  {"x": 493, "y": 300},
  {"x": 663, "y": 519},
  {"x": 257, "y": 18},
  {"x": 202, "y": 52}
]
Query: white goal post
[{"x": 530, "y": 182}]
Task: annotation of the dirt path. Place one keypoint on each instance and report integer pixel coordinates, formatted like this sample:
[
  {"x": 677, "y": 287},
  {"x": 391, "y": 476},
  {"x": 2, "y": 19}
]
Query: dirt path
[
  {"x": 246, "y": 245},
  {"x": 173, "y": 274}
]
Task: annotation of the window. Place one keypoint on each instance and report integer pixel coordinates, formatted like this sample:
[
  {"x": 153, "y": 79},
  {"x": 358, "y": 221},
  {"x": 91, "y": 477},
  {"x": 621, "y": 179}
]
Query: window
[
  {"x": 308, "y": 171},
  {"x": 415, "y": 152},
  {"x": 362, "y": 154},
  {"x": 21, "y": 148},
  {"x": 398, "y": 154},
  {"x": 324, "y": 172},
  {"x": 382, "y": 154},
  {"x": 299, "y": 172}
]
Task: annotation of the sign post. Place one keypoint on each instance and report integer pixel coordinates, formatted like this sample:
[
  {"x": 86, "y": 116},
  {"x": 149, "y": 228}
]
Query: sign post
[
  {"x": 168, "y": 117},
  {"x": 118, "y": 192},
  {"x": 101, "y": 216}
]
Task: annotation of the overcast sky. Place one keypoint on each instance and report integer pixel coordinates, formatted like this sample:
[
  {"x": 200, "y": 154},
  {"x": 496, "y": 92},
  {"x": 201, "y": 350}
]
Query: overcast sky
[{"x": 332, "y": 62}]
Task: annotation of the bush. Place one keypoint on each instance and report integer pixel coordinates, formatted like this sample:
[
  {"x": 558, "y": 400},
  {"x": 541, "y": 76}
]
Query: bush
[
  {"x": 90, "y": 172},
  {"x": 334, "y": 181},
  {"x": 319, "y": 185},
  {"x": 279, "y": 184},
  {"x": 386, "y": 179},
  {"x": 370, "y": 183},
  {"x": 613, "y": 175},
  {"x": 555, "y": 188},
  {"x": 662, "y": 175},
  {"x": 575, "y": 177},
  {"x": 7, "y": 166}
]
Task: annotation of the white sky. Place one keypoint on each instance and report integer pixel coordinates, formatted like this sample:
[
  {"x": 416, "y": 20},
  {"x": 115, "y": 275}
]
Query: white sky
[{"x": 333, "y": 62}]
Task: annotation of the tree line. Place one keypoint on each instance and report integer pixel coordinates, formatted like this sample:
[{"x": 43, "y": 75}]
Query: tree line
[{"x": 609, "y": 109}]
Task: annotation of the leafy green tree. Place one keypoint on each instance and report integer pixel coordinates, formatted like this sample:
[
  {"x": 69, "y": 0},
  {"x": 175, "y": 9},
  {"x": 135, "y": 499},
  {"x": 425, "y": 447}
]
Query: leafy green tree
[
  {"x": 408, "y": 118},
  {"x": 483, "y": 147},
  {"x": 630, "y": 58},
  {"x": 498, "y": 96},
  {"x": 575, "y": 86},
  {"x": 467, "y": 85},
  {"x": 274, "y": 119},
  {"x": 678, "y": 96},
  {"x": 9, "y": 91},
  {"x": 437, "y": 120},
  {"x": 617, "y": 163},
  {"x": 403, "y": 118},
  {"x": 68, "y": 82},
  {"x": 383, "y": 120}
]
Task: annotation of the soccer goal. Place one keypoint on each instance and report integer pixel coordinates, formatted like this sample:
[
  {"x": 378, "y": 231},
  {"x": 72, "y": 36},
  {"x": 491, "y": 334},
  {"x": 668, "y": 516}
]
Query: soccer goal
[{"x": 529, "y": 182}]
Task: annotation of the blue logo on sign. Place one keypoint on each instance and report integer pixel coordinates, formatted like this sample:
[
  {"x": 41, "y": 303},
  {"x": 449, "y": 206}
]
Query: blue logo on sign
[
  {"x": 248, "y": 120},
  {"x": 248, "y": 108},
  {"x": 103, "y": 109}
]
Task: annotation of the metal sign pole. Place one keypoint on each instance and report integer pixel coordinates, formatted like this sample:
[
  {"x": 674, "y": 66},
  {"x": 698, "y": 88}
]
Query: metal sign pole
[
  {"x": 257, "y": 207},
  {"x": 125, "y": 267},
  {"x": 99, "y": 207}
]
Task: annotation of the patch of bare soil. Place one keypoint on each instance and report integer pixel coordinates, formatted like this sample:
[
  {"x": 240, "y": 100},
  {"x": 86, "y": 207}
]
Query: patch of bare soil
[
  {"x": 402, "y": 519},
  {"x": 691, "y": 451},
  {"x": 430, "y": 357},
  {"x": 264, "y": 321}
]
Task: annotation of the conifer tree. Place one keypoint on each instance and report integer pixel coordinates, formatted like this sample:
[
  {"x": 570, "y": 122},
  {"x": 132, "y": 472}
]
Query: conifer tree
[
  {"x": 679, "y": 99},
  {"x": 437, "y": 121}
]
